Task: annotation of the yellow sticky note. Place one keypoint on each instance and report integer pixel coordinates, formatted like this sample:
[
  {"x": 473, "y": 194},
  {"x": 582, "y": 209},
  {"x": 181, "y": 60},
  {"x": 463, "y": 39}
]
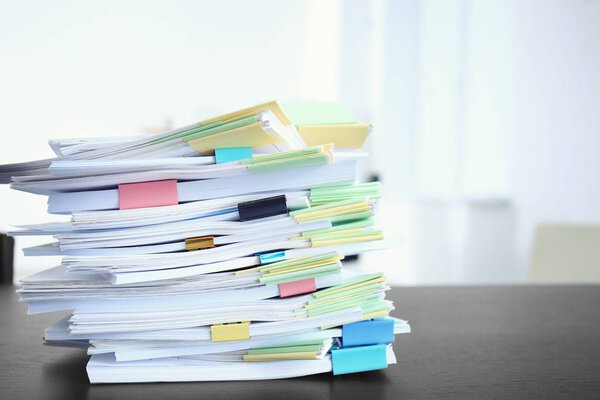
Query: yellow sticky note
[
  {"x": 230, "y": 331},
  {"x": 376, "y": 314},
  {"x": 330, "y": 212},
  {"x": 344, "y": 136},
  {"x": 336, "y": 242}
]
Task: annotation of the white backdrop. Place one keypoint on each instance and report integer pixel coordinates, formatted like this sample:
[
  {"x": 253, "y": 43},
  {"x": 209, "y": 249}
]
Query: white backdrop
[{"x": 485, "y": 112}]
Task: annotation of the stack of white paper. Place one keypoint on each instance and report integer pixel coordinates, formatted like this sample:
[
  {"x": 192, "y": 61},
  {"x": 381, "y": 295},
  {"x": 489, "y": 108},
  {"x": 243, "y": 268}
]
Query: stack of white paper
[{"x": 215, "y": 250}]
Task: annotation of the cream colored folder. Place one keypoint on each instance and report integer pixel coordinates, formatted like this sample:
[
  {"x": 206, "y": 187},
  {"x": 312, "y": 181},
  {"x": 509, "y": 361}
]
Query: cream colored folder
[
  {"x": 272, "y": 106},
  {"x": 252, "y": 135}
]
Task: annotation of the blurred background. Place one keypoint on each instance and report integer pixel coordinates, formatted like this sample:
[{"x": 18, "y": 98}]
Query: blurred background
[{"x": 486, "y": 113}]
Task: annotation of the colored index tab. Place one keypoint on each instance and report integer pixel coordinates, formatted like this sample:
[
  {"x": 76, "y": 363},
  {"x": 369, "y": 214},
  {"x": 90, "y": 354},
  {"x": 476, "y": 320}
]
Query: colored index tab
[
  {"x": 232, "y": 154},
  {"x": 343, "y": 136},
  {"x": 262, "y": 208},
  {"x": 288, "y": 289},
  {"x": 359, "y": 359},
  {"x": 148, "y": 194},
  {"x": 269, "y": 258},
  {"x": 375, "y": 331},
  {"x": 199, "y": 242},
  {"x": 318, "y": 113},
  {"x": 230, "y": 331},
  {"x": 253, "y": 135}
]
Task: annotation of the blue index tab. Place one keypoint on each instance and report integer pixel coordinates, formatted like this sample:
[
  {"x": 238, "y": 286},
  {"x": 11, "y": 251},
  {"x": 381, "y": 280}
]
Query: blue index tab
[
  {"x": 374, "y": 331},
  {"x": 359, "y": 359},
  {"x": 269, "y": 258},
  {"x": 232, "y": 154}
]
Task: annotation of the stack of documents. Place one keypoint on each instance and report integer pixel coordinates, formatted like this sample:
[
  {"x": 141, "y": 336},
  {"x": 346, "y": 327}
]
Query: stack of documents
[{"x": 213, "y": 252}]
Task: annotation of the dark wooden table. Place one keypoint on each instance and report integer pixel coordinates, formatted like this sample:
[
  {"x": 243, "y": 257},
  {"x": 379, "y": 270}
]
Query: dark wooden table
[{"x": 467, "y": 343}]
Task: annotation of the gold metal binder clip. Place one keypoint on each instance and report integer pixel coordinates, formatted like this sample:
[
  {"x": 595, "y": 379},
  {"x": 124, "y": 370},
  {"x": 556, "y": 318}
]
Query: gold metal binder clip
[{"x": 199, "y": 243}]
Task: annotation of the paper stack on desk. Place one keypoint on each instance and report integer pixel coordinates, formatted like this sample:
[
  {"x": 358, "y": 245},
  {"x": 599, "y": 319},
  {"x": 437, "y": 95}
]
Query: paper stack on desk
[{"x": 213, "y": 252}]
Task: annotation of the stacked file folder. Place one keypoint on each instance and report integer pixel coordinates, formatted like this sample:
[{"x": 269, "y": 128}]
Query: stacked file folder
[{"x": 215, "y": 251}]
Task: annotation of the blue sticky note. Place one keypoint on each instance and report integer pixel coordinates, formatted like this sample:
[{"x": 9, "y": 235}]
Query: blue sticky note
[
  {"x": 232, "y": 154},
  {"x": 269, "y": 258},
  {"x": 374, "y": 331},
  {"x": 359, "y": 359}
]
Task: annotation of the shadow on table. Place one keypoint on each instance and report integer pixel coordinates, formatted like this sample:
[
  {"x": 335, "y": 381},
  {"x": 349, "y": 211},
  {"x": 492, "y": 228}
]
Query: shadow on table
[{"x": 68, "y": 378}]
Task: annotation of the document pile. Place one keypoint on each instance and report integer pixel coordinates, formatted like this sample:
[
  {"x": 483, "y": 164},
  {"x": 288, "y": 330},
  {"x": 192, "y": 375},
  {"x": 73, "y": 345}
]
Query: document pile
[{"x": 213, "y": 252}]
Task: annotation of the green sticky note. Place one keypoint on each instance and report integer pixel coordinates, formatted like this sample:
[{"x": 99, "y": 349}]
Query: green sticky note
[
  {"x": 300, "y": 343},
  {"x": 219, "y": 127},
  {"x": 292, "y": 154},
  {"x": 336, "y": 219},
  {"x": 297, "y": 162},
  {"x": 358, "y": 224},
  {"x": 276, "y": 279},
  {"x": 318, "y": 113},
  {"x": 299, "y": 261},
  {"x": 287, "y": 349},
  {"x": 189, "y": 131}
]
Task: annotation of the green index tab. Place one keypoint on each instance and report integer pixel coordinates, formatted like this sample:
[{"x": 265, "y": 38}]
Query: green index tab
[
  {"x": 327, "y": 206},
  {"x": 365, "y": 223},
  {"x": 299, "y": 274},
  {"x": 221, "y": 127},
  {"x": 336, "y": 219},
  {"x": 288, "y": 349},
  {"x": 347, "y": 188},
  {"x": 328, "y": 308},
  {"x": 318, "y": 196},
  {"x": 301, "y": 261},
  {"x": 346, "y": 293},
  {"x": 293, "y": 344},
  {"x": 318, "y": 113},
  {"x": 347, "y": 284},
  {"x": 189, "y": 131},
  {"x": 297, "y": 162},
  {"x": 260, "y": 158},
  {"x": 374, "y": 306},
  {"x": 287, "y": 159},
  {"x": 347, "y": 235}
]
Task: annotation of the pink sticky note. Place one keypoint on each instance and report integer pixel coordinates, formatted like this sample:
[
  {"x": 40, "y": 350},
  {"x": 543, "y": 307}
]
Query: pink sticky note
[
  {"x": 148, "y": 194},
  {"x": 288, "y": 289}
]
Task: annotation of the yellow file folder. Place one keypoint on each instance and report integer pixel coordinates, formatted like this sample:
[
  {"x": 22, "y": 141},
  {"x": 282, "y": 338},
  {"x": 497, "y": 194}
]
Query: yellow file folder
[
  {"x": 272, "y": 106},
  {"x": 252, "y": 135}
]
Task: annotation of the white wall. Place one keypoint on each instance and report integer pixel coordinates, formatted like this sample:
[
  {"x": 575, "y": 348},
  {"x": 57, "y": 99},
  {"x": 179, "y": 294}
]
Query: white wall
[
  {"x": 486, "y": 112},
  {"x": 487, "y": 123},
  {"x": 556, "y": 147}
]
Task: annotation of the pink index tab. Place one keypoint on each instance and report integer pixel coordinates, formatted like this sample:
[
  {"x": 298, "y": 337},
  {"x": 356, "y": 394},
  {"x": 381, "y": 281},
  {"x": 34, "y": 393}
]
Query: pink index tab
[
  {"x": 148, "y": 194},
  {"x": 303, "y": 286}
]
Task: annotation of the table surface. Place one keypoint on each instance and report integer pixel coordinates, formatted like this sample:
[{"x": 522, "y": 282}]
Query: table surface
[{"x": 467, "y": 342}]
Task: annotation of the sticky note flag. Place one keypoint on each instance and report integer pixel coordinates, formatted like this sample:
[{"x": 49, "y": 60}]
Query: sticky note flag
[
  {"x": 359, "y": 359},
  {"x": 375, "y": 331},
  {"x": 148, "y": 194},
  {"x": 294, "y": 288},
  {"x": 318, "y": 113},
  {"x": 232, "y": 154},
  {"x": 230, "y": 331}
]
